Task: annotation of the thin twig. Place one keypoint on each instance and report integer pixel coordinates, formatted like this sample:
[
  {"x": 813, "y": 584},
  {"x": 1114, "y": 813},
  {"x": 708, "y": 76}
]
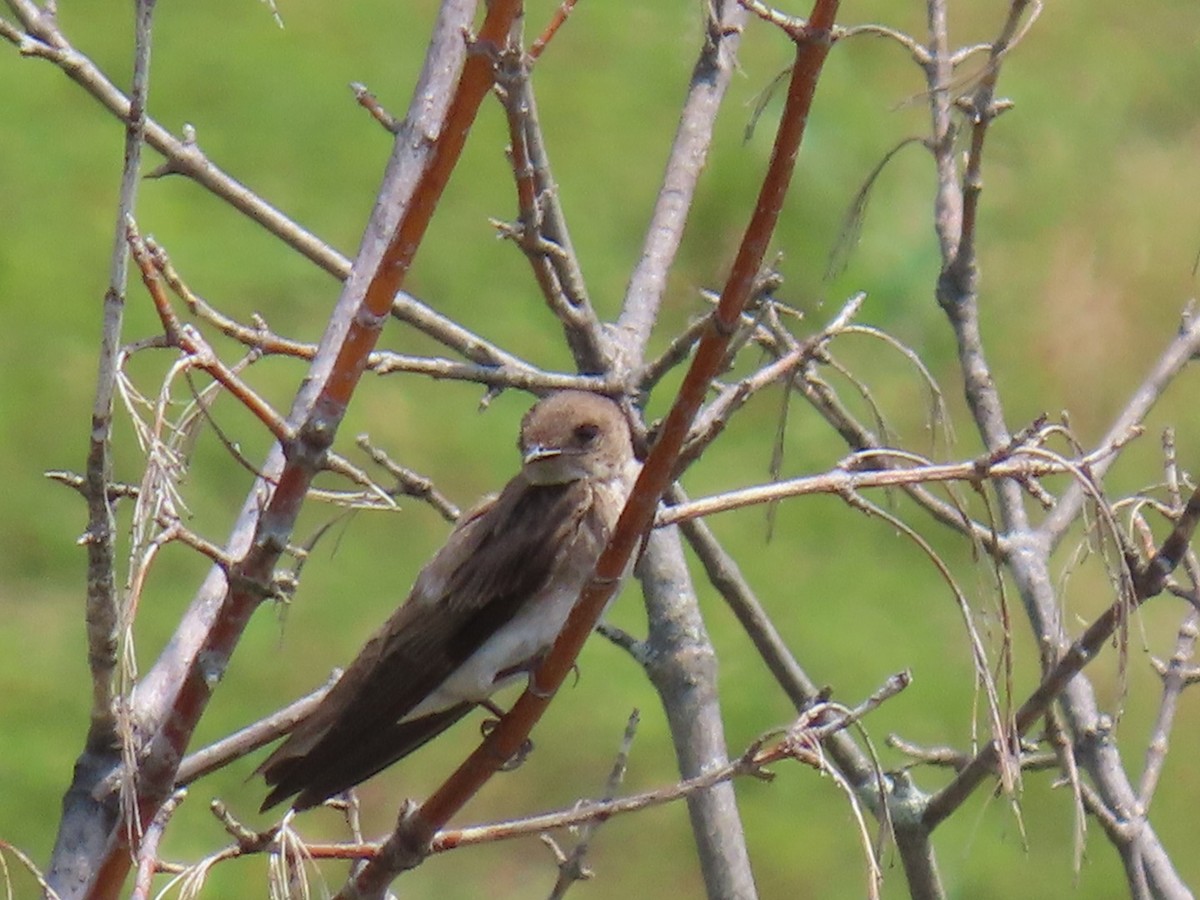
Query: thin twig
[
  {"x": 571, "y": 866},
  {"x": 103, "y": 607},
  {"x": 44, "y": 40},
  {"x": 446, "y": 331},
  {"x": 556, "y": 22},
  {"x": 724, "y": 20},
  {"x": 541, "y": 230},
  {"x": 117, "y": 490},
  {"x": 1148, "y": 577},
  {"x": 30, "y": 866},
  {"x": 841, "y": 481},
  {"x": 1180, "y": 671},
  {"x": 221, "y": 753},
  {"x": 817, "y": 725},
  {"x": 710, "y": 422},
  {"x": 148, "y": 851},
  {"x": 676, "y": 353},
  {"x": 802, "y": 691},
  {"x": 1183, "y": 347},
  {"x": 497, "y": 369},
  {"x": 949, "y": 757},
  {"x": 199, "y": 352},
  {"x": 410, "y": 483}
]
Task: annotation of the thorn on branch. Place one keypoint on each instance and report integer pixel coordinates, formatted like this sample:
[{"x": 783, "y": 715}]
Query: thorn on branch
[
  {"x": 969, "y": 107},
  {"x": 173, "y": 165},
  {"x": 638, "y": 649},
  {"x": 247, "y": 839},
  {"x": 116, "y": 490},
  {"x": 371, "y": 104}
]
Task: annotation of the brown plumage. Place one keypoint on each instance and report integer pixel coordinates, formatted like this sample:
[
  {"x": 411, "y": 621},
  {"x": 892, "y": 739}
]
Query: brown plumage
[{"x": 481, "y": 612}]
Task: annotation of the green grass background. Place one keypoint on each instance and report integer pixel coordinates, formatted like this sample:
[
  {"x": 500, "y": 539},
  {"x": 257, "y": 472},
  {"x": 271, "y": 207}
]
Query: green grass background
[{"x": 1088, "y": 240}]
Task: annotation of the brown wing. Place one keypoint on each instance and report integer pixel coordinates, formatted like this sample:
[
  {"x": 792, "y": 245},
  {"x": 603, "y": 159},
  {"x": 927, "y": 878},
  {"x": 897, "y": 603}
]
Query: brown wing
[
  {"x": 358, "y": 762},
  {"x": 489, "y": 566}
]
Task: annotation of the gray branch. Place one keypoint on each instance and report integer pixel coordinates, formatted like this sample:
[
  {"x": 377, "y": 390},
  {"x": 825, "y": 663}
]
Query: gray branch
[{"x": 682, "y": 666}]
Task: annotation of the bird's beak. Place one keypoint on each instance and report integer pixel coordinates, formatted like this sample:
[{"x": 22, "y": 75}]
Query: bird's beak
[
  {"x": 549, "y": 465},
  {"x": 538, "y": 453}
]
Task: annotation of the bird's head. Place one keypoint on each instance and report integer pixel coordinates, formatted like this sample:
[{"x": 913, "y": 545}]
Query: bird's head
[{"x": 572, "y": 435}]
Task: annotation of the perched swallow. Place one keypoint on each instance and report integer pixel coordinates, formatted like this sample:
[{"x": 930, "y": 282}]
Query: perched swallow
[{"x": 482, "y": 612}]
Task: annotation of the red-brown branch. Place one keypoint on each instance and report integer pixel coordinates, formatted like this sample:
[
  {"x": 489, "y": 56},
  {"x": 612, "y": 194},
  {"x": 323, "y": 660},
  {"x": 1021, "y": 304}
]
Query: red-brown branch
[
  {"x": 192, "y": 688},
  {"x": 408, "y": 843}
]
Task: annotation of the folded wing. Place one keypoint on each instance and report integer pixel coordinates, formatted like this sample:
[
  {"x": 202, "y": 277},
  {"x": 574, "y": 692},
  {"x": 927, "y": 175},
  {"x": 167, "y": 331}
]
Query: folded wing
[{"x": 500, "y": 556}]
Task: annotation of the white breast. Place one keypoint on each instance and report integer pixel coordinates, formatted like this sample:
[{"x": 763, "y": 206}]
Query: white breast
[{"x": 531, "y": 631}]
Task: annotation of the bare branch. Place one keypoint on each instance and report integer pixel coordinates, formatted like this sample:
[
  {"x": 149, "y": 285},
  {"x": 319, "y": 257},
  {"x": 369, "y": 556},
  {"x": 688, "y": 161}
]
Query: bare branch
[
  {"x": 676, "y": 353},
  {"x": 409, "y": 482},
  {"x": 682, "y": 665},
  {"x": 102, "y": 605},
  {"x": 570, "y": 866},
  {"x": 948, "y": 757},
  {"x": 199, "y": 352},
  {"x": 117, "y": 490},
  {"x": 710, "y": 78},
  {"x": 183, "y": 156},
  {"x": 819, "y": 724},
  {"x": 148, "y": 851},
  {"x": 845, "y": 480},
  {"x": 1183, "y": 347},
  {"x": 541, "y": 230},
  {"x": 173, "y": 695},
  {"x": 498, "y": 370},
  {"x": 556, "y": 22},
  {"x": 407, "y": 845},
  {"x": 220, "y": 754},
  {"x": 77, "y": 844},
  {"x": 711, "y": 421},
  {"x": 1180, "y": 672},
  {"x": 816, "y": 725},
  {"x": 449, "y": 333},
  {"x": 1147, "y": 577}
]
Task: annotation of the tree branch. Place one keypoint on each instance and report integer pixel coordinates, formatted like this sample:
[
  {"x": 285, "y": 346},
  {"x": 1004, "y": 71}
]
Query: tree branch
[
  {"x": 45, "y": 40},
  {"x": 170, "y": 700},
  {"x": 76, "y": 844},
  {"x": 410, "y": 841}
]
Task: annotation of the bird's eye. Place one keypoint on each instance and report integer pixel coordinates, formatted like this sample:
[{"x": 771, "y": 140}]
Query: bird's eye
[{"x": 586, "y": 433}]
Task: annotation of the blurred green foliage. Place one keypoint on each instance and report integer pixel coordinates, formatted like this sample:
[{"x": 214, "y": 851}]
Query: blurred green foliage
[{"x": 1089, "y": 237}]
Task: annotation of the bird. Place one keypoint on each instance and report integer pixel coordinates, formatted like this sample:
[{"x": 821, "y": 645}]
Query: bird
[{"x": 481, "y": 613}]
